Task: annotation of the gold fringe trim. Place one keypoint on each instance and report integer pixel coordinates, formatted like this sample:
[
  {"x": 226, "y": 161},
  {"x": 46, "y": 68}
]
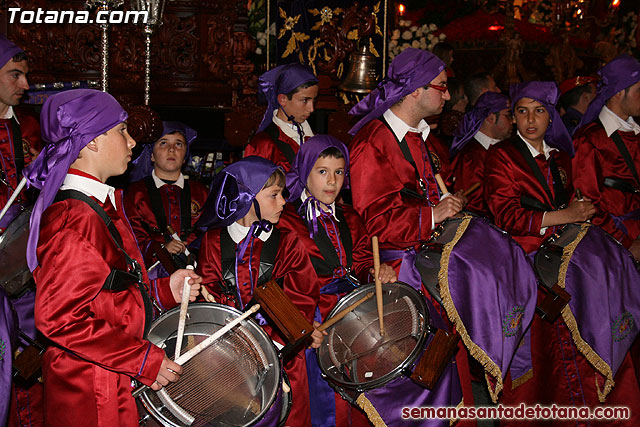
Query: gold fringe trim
[
  {"x": 452, "y": 421},
  {"x": 592, "y": 357},
  {"x": 370, "y": 410},
  {"x": 476, "y": 352},
  {"x": 522, "y": 379}
]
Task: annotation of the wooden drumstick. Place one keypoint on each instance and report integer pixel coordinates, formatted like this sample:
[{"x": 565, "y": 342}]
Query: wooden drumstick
[
  {"x": 175, "y": 236},
  {"x": 471, "y": 189},
  {"x": 13, "y": 197},
  {"x": 184, "y": 304},
  {"x": 578, "y": 194},
  {"x": 441, "y": 185},
  {"x": 207, "y": 296},
  {"x": 210, "y": 340},
  {"x": 330, "y": 322},
  {"x": 376, "y": 272}
]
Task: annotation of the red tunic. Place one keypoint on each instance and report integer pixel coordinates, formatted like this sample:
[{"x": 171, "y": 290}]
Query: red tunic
[
  {"x": 508, "y": 177},
  {"x": 440, "y": 156},
  {"x": 300, "y": 285},
  {"x": 138, "y": 208},
  {"x": 97, "y": 334},
  {"x": 378, "y": 173},
  {"x": 597, "y": 158},
  {"x": 468, "y": 168},
  {"x": 263, "y": 145}
]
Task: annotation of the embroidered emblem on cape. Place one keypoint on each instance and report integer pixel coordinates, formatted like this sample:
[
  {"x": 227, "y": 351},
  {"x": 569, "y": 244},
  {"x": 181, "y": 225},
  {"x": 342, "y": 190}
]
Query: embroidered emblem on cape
[
  {"x": 622, "y": 326},
  {"x": 436, "y": 162},
  {"x": 3, "y": 348},
  {"x": 26, "y": 146},
  {"x": 563, "y": 176},
  {"x": 512, "y": 322},
  {"x": 195, "y": 208}
]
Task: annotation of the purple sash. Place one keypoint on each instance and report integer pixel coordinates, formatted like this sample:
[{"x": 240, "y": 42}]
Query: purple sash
[
  {"x": 12, "y": 213},
  {"x": 8, "y": 335},
  {"x": 619, "y": 220},
  {"x": 488, "y": 288},
  {"x": 271, "y": 418},
  {"x": 603, "y": 281}
]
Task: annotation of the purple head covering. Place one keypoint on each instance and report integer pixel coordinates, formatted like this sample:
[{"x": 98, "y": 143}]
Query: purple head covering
[
  {"x": 547, "y": 94},
  {"x": 411, "y": 69},
  {"x": 617, "y": 75},
  {"x": 234, "y": 190},
  {"x": 69, "y": 121},
  {"x": 7, "y": 50},
  {"x": 282, "y": 80},
  {"x": 488, "y": 102},
  {"x": 142, "y": 165}
]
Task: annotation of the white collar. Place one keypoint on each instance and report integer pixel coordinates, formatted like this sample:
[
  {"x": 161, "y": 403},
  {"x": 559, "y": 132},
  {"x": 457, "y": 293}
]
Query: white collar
[
  {"x": 304, "y": 197},
  {"x": 612, "y": 122},
  {"x": 10, "y": 114},
  {"x": 546, "y": 149},
  {"x": 159, "y": 182},
  {"x": 400, "y": 128},
  {"x": 90, "y": 187},
  {"x": 239, "y": 232},
  {"x": 290, "y": 130},
  {"x": 485, "y": 140}
]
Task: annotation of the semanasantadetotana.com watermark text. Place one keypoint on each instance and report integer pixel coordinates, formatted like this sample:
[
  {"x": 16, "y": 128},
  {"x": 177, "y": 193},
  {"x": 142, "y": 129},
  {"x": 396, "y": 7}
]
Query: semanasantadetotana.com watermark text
[{"x": 41, "y": 16}]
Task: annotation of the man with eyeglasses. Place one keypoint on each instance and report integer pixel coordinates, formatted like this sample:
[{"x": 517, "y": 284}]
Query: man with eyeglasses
[{"x": 486, "y": 124}]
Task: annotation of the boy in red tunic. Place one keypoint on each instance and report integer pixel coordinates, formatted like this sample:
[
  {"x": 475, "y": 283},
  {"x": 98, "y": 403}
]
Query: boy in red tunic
[
  {"x": 162, "y": 196},
  {"x": 79, "y": 238},
  {"x": 290, "y": 91},
  {"x": 242, "y": 249}
]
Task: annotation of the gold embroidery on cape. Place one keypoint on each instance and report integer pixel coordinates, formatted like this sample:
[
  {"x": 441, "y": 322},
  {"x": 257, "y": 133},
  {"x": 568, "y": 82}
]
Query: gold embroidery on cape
[{"x": 370, "y": 410}]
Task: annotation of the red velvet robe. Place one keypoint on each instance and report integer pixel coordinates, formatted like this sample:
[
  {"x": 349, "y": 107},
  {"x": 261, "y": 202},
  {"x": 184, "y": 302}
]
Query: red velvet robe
[
  {"x": 440, "y": 155},
  {"x": 138, "y": 208},
  {"x": 507, "y": 178},
  {"x": 468, "y": 168},
  {"x": 97, "y": 334},
  {"x": 597, "y": 157},
  {"x": 378, "y": 172},
  {"x": 300, "y": 285},
  {"x": 263, "y": 145}
]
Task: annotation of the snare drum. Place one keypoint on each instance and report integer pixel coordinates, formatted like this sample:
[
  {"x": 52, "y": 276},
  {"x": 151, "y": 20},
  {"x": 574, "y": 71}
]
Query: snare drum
[
  {"x": 235, "y": 381},
  {"x": 14, "y": 271}
]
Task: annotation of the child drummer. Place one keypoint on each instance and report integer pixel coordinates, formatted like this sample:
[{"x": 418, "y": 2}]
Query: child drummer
[
  {"x": 79, "y": 239},
  {"x": 245, "y": 203}
]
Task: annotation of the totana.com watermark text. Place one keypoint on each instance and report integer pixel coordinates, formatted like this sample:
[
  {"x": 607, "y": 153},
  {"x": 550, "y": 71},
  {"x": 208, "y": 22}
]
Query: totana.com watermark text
[{"x": 41, "y": 16}]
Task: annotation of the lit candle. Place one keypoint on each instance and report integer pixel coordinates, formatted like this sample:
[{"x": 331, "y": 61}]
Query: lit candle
[{"x": 401, "y": 9}]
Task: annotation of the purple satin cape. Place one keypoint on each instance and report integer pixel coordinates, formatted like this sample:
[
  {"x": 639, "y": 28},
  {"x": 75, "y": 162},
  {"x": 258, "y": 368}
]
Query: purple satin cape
[
  {"x": 411, "y": 69},
  {"x": 68, "y": 121},
  {"x": 7, "y": 50},
  {"x": 489, "y": 102}
]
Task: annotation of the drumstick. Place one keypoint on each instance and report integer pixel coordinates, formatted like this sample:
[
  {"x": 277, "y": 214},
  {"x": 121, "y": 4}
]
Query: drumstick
[
  {"x": 184, "y": 304},
  {"x": 578, "y": 194},
  {"x": 175, "y": 236},
  {"x": 210, "y": 340},
  {"x": 330, "y": 322},
  {"x": 207, "y": 296},
  {"x": 376, "y": 272},
  {"x": 441, "y": 184},
  {"x": 13, "y": 197},
  {"x": 471, "y": 189}
]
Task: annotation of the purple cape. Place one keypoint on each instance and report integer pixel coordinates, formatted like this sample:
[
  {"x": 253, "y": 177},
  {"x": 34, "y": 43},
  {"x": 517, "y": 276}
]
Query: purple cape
[
  {"x": 69, "y": 121},
  {"x": 547, "y": 94},
  {"x": 411, "y": 69},
  {"x": 7, "y": 50}
]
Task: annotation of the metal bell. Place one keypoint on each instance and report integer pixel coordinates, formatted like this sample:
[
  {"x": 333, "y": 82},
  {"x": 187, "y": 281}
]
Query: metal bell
[{"x": 363, "y": 76}]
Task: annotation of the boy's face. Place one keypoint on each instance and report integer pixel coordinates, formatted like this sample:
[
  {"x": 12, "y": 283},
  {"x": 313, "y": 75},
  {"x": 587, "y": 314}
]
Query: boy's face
[
  {"x": 300, "y": 106},
  {"x": 271, "y": 203},
  {"x": 169, "y": 152},
  {"x": 326, "y": 178},
  {"x": 13, "y": 82},
  {"x": 115, "y": 150},
  {"x": 531, "y": 119}
]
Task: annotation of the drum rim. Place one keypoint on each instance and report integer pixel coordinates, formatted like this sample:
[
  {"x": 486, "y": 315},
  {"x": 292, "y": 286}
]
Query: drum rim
[
  {"x": 399, "y": 370},
  {"x": 150, "y": 407}
]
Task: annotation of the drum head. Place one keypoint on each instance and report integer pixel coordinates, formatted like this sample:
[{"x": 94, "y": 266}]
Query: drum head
[
  {"x": 354, "y": 356},
  {"x": 14, "y": 272},
  {"x": 232, "y": 382}
]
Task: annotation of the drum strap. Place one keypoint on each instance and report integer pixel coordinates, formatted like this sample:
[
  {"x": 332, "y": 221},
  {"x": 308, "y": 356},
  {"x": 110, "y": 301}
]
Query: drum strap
[
  {"x": 228, "y": 260},
  {"x": 158, "y": 207},
  {"x": 561, "y": 199},
  {"x": 620, "y": 185},
  {"x": 17, "y": 146},
  {"x": 285, "y": 149},
  {"x": 329, "y": 262},
  {"x": 117, "y": 280},
  {"x": 617, "y": 139}
]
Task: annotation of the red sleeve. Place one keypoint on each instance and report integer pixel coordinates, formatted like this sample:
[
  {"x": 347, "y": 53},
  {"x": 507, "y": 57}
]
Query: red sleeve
[
  {"x": 440, "y": 156},
  {"x": 468, "y": 169},
  {"x": 262, "y": 145},
  {"x": 362, "y": 252},
  {"x": 209, "y": 263},
  {"x": 138, "y": 210}
]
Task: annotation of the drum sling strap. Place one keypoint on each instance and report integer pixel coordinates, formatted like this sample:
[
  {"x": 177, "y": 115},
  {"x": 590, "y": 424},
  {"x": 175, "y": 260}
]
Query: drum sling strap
[
  {"x": 329, "y": 262},
  {"x": 406, "y": 153},
  {"x": 158, "y": 208},
  {"x": 228, "y": 261},
  {"x": 17, "y": 146},
  {"x": 561, "y": 199},
  {"x": 617, "y": 183},
  {"x": 117, "y": 280},
  {"x": 285, "y": 149}
]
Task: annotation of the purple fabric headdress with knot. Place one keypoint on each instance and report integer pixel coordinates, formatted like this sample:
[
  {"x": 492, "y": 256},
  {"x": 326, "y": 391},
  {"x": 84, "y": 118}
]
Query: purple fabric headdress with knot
[
  {"x": 547, "y": 94},
  {"x": 301, "y": 168},
  {"x": 617, "y": 75},
  {"x": 7, "y": 50},
  {"x": 142, "y": 165},
  {"x": 69, "y": 121},
  {"x": 411, "y": 69},
  {"x": 488, "y": 103},
  {"x": 281, "y": 80}
]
